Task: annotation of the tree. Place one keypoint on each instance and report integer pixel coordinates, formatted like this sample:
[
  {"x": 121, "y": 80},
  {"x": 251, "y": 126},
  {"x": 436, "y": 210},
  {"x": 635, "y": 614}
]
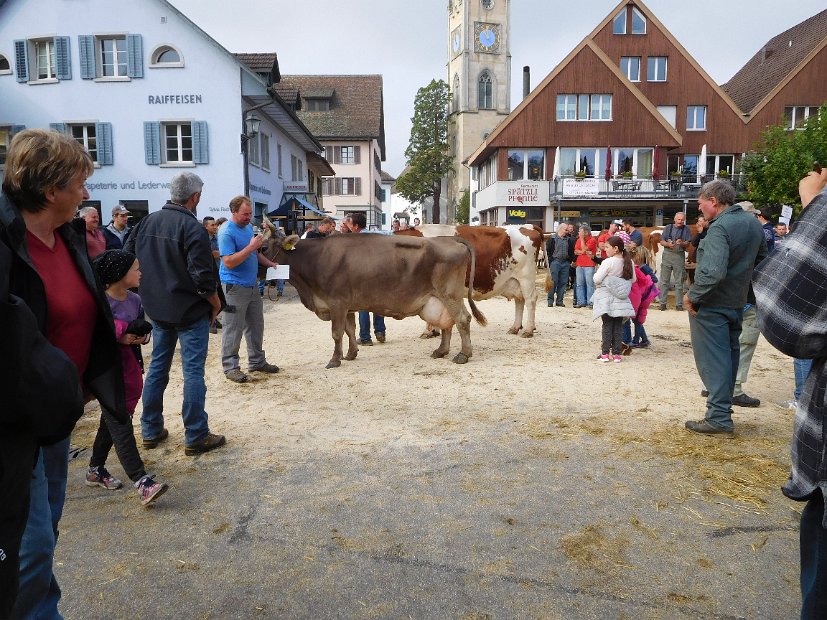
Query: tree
[
  {"x": 464, "y": 208},
  {"x": 428, "y": 156},
  {"x": 782, "y": 158}
]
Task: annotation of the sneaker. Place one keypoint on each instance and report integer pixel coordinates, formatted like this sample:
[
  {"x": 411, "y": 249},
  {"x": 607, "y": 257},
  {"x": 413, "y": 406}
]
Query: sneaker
[
  {"x": 704, "y": 393},
  {"x": 742, "y": 400},
  {"x": 706, "y": 428},
  {"x": 217, "y": 323},
  {"x": 380, "y": 336},
  {"x": 237, "y": 376},
  {"x": 788, "y": 404},
  {"x": 149, "y": 490},
  {"x": 266, "y": 367},
  {"x": 641, "y": 345},
  {"x": 561, "y": 304},
  {"x": 213, "y": 329},
  {"x": 210, "y": 442},
  {"x": 679, "y": 308},
  {"x": 604, "y": 357},
  {"x": 366, "y": 343},
  {"x": 617, "y": 359},
  {"x": 99, "y": 477},
  {"x": 662, "y": 307},
  {"x": 153, "y": 443}
]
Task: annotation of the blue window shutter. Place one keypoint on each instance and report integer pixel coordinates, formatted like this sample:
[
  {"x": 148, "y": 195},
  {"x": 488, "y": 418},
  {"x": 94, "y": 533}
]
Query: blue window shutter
[
  {"x": 17, "y": 129},
  {"x": 58, "y": 127},
  {"x": 64, "y": 62},
  {"x": 86, "y": 51},
  {"x": 134, "y": 56},
  {"x": 103, "y": 132},
  {"x": 21, "y": 60},
  {"x": 152, "y": 142},
  {"x": 200, "y": 143}
]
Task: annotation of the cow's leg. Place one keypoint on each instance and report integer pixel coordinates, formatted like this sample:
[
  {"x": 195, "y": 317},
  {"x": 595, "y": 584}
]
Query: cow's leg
[
  {"x": 519, "y": 304},
  {"x": 530, "y": 301},
  {"x": 350, "y": 330},
  {"x": 462, "y": 318},
  {"x": 337, "y": 328}
]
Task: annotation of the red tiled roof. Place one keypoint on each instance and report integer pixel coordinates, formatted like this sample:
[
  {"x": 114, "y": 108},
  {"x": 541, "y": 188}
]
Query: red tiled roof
[
  {"x": 775, "y": 61},
  {"x": 356, "y": 106}
]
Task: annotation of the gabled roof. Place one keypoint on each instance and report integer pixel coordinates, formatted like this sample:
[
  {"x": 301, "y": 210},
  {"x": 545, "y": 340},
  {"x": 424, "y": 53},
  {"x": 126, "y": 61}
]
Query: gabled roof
[
  {"x": 262, "y": 63},
  {"x": 386, "y": 178},
  {"x": 289, "y": 94},
  {"x": 356, "y": 106},
  {"x": 779, "y": 59}
]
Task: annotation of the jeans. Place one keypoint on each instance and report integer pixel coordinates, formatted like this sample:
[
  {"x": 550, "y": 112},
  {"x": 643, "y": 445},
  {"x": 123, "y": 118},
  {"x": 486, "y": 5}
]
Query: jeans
[
  {"x": 244, "y": 315},
  {"x": 364, "y": 324},
  {"x": 715, "y": 333},
  {"x": 813, "y": 551},
  {"x": 560, "y": 275},
  {"x": 39, "y": 592},
  {"x": 194, "y": 340},
  {"x": 747, "y": 343},
  {"x": 585, "y": 285},
  {"x": 640, "y": 332},
  {"x": 802, "y": 370}
]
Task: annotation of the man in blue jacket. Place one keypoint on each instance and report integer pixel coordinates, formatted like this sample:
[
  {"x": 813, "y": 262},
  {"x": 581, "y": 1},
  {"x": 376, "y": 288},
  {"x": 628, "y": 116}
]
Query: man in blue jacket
[{"x": 178, "y": 292}]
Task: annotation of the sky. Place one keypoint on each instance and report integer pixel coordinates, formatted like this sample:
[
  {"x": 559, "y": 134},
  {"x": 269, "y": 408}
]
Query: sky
[{"x": 407, "y": 42}]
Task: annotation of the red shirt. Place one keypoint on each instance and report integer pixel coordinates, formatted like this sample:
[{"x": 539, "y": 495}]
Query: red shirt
[
  {"x": 71, "y": 312},
  {"x": 582, "y": 259},
  {"x": 95, "y": 243}
]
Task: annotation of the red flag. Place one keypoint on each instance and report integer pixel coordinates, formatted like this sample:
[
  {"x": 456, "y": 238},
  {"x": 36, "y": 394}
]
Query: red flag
[{"x": 608, "y": 163}]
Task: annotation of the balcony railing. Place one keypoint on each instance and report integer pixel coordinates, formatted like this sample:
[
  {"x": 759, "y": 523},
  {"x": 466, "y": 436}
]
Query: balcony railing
[{"x": 674, "y": 186}]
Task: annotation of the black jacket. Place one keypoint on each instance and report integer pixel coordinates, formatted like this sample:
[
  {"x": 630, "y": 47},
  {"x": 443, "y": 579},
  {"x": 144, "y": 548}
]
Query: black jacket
[
  {"x": 178, "y": 269},
  {"x": 552, "y": 241},
  {"x": 113, "y": 242},
  {"x": 39, "y": 384}
]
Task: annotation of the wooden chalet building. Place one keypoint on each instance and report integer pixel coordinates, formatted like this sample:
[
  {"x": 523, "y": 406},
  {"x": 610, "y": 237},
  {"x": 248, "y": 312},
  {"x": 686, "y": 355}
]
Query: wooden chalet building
[{"x": 630, "y": 125}]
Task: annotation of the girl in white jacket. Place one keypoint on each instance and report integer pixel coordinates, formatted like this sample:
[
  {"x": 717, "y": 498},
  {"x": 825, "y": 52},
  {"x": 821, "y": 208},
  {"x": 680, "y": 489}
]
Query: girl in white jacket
[{"x": 613, "y": 282}]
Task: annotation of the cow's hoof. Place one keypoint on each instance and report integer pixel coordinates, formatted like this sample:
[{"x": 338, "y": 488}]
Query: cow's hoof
[
  {"x": 528, "y": 334},
  {"x": 514, "y": 331},
  {"x": 438, "y": 354},
  {"x": 351, "y": 356},
  {"x": 460, "y": 358},
  {"x": 333, "y": 364}
]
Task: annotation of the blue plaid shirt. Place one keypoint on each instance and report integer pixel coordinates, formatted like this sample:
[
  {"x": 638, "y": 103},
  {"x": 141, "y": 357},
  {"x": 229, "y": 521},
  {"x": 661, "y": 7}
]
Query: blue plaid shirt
[{"x": 791, "y": 291}]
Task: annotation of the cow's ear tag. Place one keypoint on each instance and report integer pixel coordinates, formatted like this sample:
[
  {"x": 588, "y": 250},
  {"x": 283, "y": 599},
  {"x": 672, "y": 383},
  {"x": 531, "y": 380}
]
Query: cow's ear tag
[
  {"x": 289, "y": 246},
  {"x": 290, "y": 242}
]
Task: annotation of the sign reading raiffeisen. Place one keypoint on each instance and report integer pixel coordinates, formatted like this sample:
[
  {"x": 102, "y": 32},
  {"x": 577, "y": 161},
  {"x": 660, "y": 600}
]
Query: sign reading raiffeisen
[{"x": 515, "y": 216}]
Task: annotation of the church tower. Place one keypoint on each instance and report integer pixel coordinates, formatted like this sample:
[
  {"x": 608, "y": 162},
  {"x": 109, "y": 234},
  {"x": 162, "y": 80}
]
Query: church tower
[{"x": 479, "y": 76}]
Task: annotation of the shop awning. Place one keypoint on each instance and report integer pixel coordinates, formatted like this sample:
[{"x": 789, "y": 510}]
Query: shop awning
[{"x": 296, "y": 203}]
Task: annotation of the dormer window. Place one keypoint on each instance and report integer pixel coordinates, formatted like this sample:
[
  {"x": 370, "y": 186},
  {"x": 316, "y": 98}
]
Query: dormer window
[
  {"x": 316, "y": 105},
  {"x": 166, "y": 56}
]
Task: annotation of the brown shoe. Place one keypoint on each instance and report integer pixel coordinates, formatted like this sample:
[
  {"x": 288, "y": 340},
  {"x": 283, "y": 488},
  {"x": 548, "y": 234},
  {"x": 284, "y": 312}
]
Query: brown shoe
[
  {"x": 210, "y": 442},
  {"x": 153, "y": 443},
  {"x": 237, "y": 376},
  {"x": 707, "y": 428},
  {"x": 380, "y": 336},
  {"x": 266, "y": 367}
]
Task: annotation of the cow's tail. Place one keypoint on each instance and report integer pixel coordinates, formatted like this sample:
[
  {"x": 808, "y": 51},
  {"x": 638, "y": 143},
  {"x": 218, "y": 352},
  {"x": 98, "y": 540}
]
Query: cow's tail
[{"x": 478, "y": 315}]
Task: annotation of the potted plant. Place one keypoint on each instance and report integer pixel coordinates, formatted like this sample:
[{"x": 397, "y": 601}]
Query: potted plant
[
  {"x": 723, "y": 174},
  {"x": 580, "y": 174},
  {"x": 627, "y": 174}
]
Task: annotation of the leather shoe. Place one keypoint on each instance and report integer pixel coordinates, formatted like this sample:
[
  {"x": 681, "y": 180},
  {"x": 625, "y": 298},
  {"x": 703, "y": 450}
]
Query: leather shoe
[
  {"x": 210, "y": 442},
  {"x": 742, "y": 400},
  {"x": 153, "y": 443},
  {"x": 236, "y": 376},
  {"x": 266, "y": 367},
  {"x": 366, "y": 343},
  {"x": 706, "y": 428},
  {"x": 380, "y": 337}
]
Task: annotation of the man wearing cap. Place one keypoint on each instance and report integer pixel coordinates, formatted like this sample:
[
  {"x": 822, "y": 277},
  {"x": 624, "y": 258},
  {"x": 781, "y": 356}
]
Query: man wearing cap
[
  {"x": 674, "y": 240},
  {"x": 117, "y": 230},
  {"x": 733, "y": 245},
  {"x": 769, "y": 231}
]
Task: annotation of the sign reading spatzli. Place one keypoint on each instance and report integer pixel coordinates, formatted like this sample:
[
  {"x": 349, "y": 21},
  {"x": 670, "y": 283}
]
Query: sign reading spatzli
[{"x": 524, "y": 193}]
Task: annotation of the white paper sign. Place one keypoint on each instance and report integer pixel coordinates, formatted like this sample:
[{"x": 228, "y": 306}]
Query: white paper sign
[
  {"x": 282, "y": 272},
  {"x": 786, "y": 212}
]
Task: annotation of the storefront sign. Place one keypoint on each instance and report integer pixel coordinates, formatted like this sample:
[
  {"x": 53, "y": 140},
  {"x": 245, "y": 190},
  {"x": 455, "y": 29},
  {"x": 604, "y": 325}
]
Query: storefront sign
[
  {"x": 580, "y": 187},
  {"x": 164, "y": 99},
  {"x": 515, "y": 215},
  {"x": 260, "y": 190},
  {"x": 569, "y": 213},
  {"x": 295, "y": 188},
  {"x": 524, "y": 194},
  {"x": 127, "y": 185}
]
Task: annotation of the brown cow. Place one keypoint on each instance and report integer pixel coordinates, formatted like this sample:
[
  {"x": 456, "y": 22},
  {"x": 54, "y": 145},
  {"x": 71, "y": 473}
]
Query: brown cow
[
  {"x": 392, "y": 276},
  {"x": 506, "y": 264}
]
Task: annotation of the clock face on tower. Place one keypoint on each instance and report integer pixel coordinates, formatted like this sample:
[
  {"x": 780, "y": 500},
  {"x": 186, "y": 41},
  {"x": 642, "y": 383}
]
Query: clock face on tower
[
  {"x": 487, "y": 37},
  {"x": 487, "y": 4}
]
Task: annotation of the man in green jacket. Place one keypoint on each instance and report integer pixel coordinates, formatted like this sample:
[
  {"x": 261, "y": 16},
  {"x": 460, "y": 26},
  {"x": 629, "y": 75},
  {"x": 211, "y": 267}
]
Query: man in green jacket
[{"x": 726, "y": 257}]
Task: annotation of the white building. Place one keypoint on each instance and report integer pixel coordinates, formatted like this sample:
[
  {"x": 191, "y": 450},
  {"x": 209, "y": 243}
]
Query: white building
[{"x": 150, "y": 95}]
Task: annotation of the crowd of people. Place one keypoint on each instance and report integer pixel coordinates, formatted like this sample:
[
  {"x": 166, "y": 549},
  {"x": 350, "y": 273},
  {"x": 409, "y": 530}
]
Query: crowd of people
[{"x": 68, "y": 287}]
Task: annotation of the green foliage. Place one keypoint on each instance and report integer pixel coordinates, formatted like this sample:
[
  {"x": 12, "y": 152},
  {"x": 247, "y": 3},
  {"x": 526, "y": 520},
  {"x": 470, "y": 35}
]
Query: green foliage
[
  {"x": 464, "y": 208},
  {"x": 428, "y": 156},
  {"x": 781, "y": 159}
]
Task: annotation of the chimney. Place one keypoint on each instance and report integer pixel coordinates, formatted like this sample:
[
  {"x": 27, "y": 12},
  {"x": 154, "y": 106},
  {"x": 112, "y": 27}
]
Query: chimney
[{"x": 526, "y": 81}]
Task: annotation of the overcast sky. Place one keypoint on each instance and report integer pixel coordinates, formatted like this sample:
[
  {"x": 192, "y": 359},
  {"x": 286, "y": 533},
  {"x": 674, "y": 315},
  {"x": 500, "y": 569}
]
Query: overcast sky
[{"x": 407, "y": 42}]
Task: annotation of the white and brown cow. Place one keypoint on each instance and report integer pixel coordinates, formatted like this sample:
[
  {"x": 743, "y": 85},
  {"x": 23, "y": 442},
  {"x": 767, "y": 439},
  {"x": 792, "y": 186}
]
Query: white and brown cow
[
  {"x": 396, "y": 277},
  {"x": 506, "y": 264}
]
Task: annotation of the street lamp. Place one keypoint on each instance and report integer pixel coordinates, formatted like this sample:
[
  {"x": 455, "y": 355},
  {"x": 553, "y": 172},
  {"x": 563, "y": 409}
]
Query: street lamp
[{"x": 251, "y": 124}]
